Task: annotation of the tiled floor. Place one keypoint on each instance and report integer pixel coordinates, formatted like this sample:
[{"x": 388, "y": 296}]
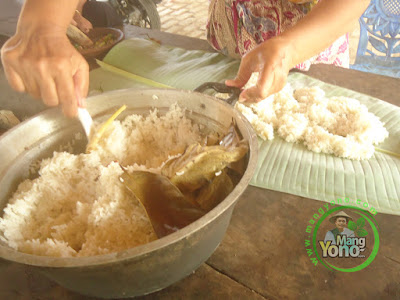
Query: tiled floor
[
  {"x": 185, "y": 17},
  {"x": 189, "y": 17}
]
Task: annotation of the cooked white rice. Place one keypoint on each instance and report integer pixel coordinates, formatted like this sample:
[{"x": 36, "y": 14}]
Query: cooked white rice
[
  {"x": 78, "y": 206},
  {"x": 339, "y": 125}
]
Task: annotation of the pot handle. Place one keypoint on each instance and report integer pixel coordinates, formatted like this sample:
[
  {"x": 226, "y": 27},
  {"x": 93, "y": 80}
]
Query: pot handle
[{"x": 234, "y": 92}]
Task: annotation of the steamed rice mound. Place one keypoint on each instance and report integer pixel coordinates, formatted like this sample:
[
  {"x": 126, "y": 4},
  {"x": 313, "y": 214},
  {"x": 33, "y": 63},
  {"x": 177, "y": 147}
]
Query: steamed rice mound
[
  {"x": 340, "y": 126},
  {"x": 78, "y": 206}
]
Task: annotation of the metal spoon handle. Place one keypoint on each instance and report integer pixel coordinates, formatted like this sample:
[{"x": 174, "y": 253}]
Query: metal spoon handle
[{"x": 221, "y": 88}]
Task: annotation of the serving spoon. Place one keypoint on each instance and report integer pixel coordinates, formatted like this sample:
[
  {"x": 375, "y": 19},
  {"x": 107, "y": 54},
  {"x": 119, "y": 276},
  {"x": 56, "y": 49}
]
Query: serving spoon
[{"x": 166, "y": 207}]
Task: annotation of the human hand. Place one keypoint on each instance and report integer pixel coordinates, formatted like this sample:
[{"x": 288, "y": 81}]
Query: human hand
[
  {"x": 42, "y": 62},
  {"x": 273, "y": 60},
  {"x": 81, "y": 22}
]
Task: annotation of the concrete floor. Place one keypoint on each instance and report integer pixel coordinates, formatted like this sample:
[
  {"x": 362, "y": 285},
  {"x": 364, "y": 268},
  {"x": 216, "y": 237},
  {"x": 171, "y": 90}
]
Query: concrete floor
[{"x": 189, "y": 18}]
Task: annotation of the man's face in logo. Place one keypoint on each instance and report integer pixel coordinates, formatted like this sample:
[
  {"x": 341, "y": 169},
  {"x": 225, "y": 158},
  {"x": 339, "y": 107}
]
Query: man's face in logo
[{"x": 341, "y": 223}]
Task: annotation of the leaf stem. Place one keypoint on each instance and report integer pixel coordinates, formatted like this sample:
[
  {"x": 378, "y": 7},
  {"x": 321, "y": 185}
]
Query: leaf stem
[
  {"x": 387, "y": 152},
  {"x": 97, "y": 136},
  {"x": 132, "y": 76}
]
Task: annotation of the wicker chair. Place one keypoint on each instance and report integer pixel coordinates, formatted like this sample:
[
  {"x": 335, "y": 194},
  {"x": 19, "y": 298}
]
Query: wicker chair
[{"x": 379, "y": 46}]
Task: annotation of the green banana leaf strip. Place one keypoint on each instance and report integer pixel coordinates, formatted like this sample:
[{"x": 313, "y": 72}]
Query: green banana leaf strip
[{"x": 175, "y": 67}]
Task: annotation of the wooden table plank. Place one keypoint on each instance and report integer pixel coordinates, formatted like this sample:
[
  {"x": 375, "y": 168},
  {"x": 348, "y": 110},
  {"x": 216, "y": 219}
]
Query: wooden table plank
[
  {"x": 18, "y": 282},
  {"x": 381, "y": 87},
  {"x": 205, "y": 283},
  {"x": 264, "y": 250}
]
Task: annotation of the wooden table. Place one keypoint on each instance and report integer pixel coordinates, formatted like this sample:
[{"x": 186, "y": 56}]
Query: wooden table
[{"x": 262, "y": 255}]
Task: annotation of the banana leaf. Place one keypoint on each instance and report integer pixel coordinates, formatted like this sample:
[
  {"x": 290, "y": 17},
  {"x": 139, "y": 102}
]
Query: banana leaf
[
  {"x": 175, "y": 67},
  {"x": 282, "y": 166},
  {"x": 293, "y": 169}
]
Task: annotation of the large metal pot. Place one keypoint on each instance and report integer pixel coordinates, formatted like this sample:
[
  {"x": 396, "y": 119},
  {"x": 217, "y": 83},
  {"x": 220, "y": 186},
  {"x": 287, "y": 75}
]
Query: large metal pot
[{"x": 143, "y": 269}]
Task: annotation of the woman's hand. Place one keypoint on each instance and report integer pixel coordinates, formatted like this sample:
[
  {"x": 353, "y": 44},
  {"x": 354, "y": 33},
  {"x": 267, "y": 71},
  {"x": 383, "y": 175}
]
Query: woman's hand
[
  {"x": 273, "y": 60},
  {"x": 42, "y": 62},
  {"x": 326, "y": 22}
]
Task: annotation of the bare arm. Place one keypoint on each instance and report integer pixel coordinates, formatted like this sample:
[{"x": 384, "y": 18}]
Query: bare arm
[
  {"x": 327, "y": 21},
  {"x": 40, "y": 60}
]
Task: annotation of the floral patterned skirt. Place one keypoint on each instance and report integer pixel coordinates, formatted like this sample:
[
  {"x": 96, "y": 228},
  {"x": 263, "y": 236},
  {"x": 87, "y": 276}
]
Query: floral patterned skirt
[{"x": 237, "y": 26}]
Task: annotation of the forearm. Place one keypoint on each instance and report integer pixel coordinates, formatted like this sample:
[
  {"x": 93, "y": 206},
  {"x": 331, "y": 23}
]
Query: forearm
[
  {"x": 326, "y": 22},
  {"x": 50, "y": 14}
]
